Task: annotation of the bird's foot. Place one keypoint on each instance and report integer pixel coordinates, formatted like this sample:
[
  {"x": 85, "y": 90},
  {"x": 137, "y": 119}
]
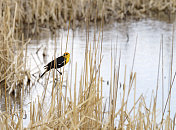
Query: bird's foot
[{"x": 59, "y": 72}]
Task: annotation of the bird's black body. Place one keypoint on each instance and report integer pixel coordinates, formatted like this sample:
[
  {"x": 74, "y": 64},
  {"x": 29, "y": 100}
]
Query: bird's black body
[{"x": 57, "y": 63}]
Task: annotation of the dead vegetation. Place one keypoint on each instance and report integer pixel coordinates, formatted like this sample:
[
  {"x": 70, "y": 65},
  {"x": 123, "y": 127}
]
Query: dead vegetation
[{"x": 31, "y": 15}]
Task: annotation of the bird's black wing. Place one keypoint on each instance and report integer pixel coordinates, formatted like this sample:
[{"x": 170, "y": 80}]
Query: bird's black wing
[{"x": 59, "y": 62}]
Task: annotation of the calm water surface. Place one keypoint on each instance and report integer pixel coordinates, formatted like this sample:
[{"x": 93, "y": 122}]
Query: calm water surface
[{"x": 118, "y": 36}]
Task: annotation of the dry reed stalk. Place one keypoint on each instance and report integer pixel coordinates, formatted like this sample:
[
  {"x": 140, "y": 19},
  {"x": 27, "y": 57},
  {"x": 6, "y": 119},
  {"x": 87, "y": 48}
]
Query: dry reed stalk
[{"x": 53, "y": 14}]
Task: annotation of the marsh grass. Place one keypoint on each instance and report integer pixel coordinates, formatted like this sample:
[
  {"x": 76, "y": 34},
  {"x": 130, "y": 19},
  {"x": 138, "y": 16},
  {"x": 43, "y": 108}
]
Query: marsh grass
[
  {"x": 12, "y": 55},
  {"x": 32, "y": 15},
  {"x": 84, "y": 106}
]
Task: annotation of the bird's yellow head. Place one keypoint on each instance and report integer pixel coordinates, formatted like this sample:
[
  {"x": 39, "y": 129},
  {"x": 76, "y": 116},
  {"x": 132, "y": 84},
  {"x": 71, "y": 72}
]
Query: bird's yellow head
[{"x": 67, "y": 56}]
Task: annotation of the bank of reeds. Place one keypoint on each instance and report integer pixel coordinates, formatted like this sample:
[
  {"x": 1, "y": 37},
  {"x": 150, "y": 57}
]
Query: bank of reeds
[
  {"x": 12, "y": 46},
  {"x": 33, "y": 14}
]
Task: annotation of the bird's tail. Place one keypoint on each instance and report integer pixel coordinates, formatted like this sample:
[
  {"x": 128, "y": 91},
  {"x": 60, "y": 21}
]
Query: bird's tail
[{"x": 43, "y": 74}]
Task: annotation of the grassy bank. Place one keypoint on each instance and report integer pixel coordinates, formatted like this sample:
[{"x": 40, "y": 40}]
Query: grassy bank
[
  {"x": 12, "y": 46},
  {"x": 30, "y": 15}
]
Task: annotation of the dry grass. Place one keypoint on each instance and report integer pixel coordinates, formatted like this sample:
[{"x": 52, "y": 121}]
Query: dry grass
[
  {"x": 12, "y": 54},
  {"x": 88, "y": 110},
  {"x": 33, "y": 14}
]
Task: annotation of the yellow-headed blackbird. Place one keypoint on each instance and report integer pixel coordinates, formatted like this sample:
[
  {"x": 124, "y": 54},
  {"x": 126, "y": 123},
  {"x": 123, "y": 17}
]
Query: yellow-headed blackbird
[{"x": 59, "y": 62}]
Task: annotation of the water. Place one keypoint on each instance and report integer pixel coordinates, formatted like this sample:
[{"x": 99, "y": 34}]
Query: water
[{"x": 120, "y": 37}]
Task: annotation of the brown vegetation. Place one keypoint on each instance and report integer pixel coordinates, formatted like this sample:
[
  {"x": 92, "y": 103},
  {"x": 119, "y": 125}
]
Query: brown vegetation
[{"x": 32, "y": 14}]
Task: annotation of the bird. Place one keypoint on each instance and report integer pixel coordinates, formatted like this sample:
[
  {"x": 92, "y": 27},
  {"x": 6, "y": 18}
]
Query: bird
[{"x": 57, "y": 63}]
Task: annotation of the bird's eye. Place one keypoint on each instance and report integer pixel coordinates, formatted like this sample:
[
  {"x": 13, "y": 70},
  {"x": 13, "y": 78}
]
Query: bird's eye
[{"x": 65, "y": 54}]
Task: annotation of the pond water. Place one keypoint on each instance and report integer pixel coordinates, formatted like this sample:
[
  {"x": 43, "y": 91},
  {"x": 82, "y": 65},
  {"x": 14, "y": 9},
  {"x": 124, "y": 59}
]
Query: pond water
[{"x": 120, "y": 37}]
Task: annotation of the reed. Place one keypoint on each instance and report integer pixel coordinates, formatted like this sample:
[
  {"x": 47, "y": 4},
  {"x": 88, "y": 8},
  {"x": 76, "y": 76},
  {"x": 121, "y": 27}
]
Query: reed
[
  {"x": 12, "y": 56},
  {"x": 32, "y": 15}
]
